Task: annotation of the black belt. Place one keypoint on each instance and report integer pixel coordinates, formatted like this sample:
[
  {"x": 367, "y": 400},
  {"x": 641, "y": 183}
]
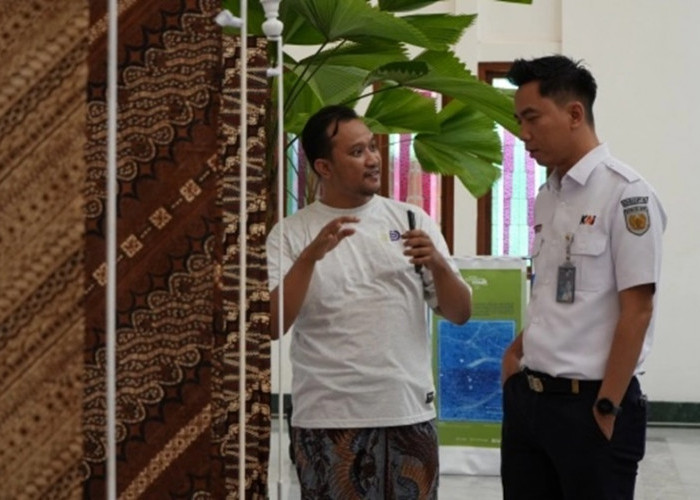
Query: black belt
[{"x": 541, "y": 382}]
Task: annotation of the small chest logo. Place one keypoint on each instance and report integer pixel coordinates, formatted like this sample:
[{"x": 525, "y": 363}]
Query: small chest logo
[
  {"x": 394, "y": 235},
  {"x": 587, "y": 220}
]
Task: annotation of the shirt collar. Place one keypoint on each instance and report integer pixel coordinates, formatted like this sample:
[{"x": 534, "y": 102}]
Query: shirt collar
[{"x": 583, "y": 169}]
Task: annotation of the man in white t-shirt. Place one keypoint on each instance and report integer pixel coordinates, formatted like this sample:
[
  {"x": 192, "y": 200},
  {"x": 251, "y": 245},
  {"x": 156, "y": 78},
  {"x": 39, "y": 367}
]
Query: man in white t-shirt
[
  {"x": 356, "y": 281},
  {"x": 574, "y": 415}
]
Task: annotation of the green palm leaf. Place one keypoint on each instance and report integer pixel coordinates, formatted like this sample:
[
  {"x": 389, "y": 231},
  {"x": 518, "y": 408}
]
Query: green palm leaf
[
  {"x": 355, "y": 20},
  {"x": 404, "y": 73},
  {"x": 328, "y": 84},
  {"x": 358, "y": 54},
  {"x": 404, "y": 5},
  {"x": 467, "y": 147},
  {"x": 362, "y": 50},
  {"x": 442, "y": 72},
  {"x": 449, "y": 76},
  {"x": 442, "y": 29},
  {"x": 298, "y": 110},
  {"x": 402, "y": 111}
]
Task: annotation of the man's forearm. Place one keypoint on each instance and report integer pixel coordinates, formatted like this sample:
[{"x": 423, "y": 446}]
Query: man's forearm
[
  {"x": 453, "y": 295},
  {"x": 296, "y": 284},
  {"x": 636, "y": 306},
  {"x": 510, "y": 363}
]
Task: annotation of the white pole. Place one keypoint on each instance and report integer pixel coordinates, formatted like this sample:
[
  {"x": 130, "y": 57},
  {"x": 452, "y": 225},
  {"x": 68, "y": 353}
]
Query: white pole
[
  {"x": 243, "y": 248},
  {"x": 273, "y": 27},
  {"x": 225, "y": 18},
  {"x": 111, "y": 253},
  {"x": 280, "y": 210}
]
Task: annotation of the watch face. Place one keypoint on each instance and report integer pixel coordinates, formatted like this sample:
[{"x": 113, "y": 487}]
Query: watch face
[{"x": 606, "y": 407}]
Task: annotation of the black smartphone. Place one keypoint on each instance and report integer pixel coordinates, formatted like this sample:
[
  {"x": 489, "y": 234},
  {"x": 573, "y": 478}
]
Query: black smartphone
[{"x": 412, "y": 225}]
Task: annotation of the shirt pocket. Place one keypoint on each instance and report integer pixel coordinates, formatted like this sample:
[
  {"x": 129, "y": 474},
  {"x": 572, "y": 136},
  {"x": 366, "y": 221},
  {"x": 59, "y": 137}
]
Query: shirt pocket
[{"x": 590, "y": 255}]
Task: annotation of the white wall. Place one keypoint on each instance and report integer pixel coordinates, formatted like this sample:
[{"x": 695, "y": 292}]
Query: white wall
[
  {"x": 646, "y": 59},
  {"x": 644, "y": 55}
]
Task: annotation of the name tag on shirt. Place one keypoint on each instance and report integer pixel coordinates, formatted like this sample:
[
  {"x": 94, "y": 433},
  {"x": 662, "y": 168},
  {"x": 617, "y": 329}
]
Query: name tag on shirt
[{"x": 566, "y": 283}]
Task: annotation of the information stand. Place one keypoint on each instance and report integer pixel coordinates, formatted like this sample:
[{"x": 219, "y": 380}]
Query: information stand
[{"x": 468, "y": 365}]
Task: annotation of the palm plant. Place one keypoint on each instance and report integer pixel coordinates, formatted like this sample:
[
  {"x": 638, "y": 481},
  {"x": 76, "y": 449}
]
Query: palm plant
[{"x": 363, "y": 52}]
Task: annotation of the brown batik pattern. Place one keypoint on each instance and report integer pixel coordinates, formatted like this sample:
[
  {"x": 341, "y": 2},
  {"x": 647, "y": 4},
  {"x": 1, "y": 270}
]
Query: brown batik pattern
[
  {"x": 43, "y": 49},
  {"x": 226, "y": 432},
  {"x": 176, "y": 348}
]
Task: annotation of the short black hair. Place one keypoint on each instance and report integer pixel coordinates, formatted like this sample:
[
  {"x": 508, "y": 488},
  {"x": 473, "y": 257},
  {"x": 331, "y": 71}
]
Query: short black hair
[
  {"x": 315, "y": 138},
  {"x": 560, "y": 78}
]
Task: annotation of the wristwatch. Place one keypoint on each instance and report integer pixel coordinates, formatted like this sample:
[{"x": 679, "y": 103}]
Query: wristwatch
[{"x": 607, "y": 407}]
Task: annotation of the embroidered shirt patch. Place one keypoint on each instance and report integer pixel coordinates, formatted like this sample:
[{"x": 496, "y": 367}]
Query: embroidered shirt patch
[
  {"x": 635, "y": 200},
  {"x": 637, "y": 219}
]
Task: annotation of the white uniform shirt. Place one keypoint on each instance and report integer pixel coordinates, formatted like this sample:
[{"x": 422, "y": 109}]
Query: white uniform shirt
[
  {"x": 617, "y": 223},
  {"x": 361, "y": 350}
]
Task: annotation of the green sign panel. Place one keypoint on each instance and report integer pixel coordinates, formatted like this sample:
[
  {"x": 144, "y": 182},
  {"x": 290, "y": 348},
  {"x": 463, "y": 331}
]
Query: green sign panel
[{"x": 468, "y": 357}]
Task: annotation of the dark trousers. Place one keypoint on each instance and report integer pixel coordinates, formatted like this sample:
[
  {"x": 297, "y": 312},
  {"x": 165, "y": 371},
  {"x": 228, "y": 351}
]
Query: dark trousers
[{"x": 552, "y": 447}]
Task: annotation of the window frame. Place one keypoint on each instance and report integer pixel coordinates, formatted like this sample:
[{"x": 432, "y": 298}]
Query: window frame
[
  {"x": 487, "y": 72},
  {"x": 446, "y": 193}
]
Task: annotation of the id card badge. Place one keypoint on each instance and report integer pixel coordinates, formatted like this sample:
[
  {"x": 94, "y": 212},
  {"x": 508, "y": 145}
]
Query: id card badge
[
  {"x": 566, "y": 283},
  {"x": 566, "y": 276}
]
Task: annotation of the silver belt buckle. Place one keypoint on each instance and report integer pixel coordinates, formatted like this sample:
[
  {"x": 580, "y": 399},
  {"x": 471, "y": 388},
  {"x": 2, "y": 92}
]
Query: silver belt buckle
[{"x": 535, "y": 383}]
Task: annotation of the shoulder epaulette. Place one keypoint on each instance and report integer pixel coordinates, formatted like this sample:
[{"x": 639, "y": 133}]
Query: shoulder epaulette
[{"x": 623, "y": 171}]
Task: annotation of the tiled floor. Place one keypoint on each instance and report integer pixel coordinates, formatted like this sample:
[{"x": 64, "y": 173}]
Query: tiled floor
[{"x": 670, "y": 471}]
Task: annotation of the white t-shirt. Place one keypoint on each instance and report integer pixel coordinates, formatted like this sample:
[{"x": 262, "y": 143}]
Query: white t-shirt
[
  {"x": 361, "y": 350},
  {"x": 617, "y": 223}
]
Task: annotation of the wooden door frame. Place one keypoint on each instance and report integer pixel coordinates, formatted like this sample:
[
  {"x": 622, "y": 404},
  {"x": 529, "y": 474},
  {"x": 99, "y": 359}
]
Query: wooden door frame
[{"x": 487, "y": 72}]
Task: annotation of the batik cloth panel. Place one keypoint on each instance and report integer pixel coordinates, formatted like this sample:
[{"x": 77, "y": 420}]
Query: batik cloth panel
[
  {"x": 43, "y": 50},
  {"x": 254, "y": 227},
  {"x": 175, "y": 437}
]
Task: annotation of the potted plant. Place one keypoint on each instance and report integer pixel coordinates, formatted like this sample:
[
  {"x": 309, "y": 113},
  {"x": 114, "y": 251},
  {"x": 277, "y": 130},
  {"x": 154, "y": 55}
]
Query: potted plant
[{"x": 382, "y": 54}]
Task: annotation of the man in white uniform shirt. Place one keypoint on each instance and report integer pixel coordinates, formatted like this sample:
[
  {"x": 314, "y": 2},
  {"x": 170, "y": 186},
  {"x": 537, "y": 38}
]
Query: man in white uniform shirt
[
  {"x": 574, "y": 415},
  {"x": 357, "y": 278}
]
